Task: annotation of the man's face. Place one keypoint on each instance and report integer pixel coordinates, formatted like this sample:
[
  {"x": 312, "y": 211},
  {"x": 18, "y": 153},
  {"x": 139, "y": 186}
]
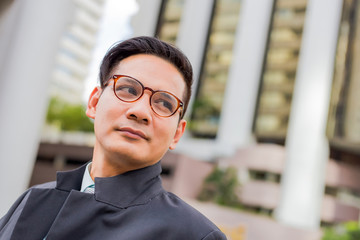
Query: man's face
[{"x": 131, "y": 135}]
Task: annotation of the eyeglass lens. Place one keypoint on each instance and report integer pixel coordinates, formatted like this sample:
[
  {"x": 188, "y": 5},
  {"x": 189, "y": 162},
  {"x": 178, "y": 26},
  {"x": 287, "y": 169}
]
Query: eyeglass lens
[{"x": 129, "y": 90}]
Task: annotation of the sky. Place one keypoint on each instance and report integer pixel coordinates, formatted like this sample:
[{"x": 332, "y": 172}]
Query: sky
[{"x": 115, "y": 26}]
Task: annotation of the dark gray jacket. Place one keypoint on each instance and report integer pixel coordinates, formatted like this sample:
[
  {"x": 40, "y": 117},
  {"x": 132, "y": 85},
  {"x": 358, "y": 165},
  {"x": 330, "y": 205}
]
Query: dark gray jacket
[{"x": 128, "y": 206}]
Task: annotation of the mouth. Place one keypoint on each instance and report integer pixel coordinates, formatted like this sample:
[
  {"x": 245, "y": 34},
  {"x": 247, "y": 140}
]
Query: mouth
[{"x": 133, "y": 133}]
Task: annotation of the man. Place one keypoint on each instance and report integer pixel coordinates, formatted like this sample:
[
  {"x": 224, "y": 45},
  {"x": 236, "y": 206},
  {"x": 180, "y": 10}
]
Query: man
[{"x": 145, "y": 86}]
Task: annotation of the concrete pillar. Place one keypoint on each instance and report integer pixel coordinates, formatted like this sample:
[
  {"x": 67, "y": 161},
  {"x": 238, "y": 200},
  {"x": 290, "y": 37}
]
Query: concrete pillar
[
  {"x": 242, "y": 86},
  {"x": 144, "y": 23},
  {"x": 307, "y": 151},
  {"x": 193, "y": 34},
  {"x": 30, "y": 31}
]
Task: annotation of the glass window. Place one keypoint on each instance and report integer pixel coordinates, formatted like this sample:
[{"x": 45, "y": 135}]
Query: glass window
[
  {"x": 169, "y": 20},
  {"x": 280, "y": 63},
  {"x": 218, "y": 55},
  {"x": 344, "y": 113}
]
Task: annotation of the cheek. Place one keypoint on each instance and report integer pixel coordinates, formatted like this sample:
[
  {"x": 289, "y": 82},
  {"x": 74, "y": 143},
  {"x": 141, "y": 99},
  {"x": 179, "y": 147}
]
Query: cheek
[
  {"x": 166, "y": 132},
  {"x": 105, "y": 115}
]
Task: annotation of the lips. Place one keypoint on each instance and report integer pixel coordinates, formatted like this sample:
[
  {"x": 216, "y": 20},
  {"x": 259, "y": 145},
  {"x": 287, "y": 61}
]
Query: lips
[{"x": 133, "y": 133}]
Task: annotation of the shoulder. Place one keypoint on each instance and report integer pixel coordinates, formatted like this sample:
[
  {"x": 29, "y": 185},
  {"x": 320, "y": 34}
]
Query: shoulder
[
  {"x": 44, "y": 185},
  {"x": 184, "y": 219},
  {"x": 9, "y": 220},
  {"x": 179, "y": 207},
  {"x": 22, "y": 199}
]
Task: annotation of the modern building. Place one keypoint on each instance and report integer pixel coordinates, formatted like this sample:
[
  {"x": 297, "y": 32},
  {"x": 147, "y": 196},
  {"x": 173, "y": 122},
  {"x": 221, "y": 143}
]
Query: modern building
[
  {"x": 272, "y": 72},
  {"x": 75, "y": 52},
  {"x": 275, "y": 94}
]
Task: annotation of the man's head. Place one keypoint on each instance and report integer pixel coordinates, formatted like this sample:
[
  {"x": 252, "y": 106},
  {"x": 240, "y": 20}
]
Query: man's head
[
  {"x": 151, "y": 46},
  {"x": 136, "y": 110}
]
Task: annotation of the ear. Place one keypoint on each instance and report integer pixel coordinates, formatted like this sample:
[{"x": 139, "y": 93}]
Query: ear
[
  {"x": 179, "y": 132},
  {"x": 92, "y": 102}
]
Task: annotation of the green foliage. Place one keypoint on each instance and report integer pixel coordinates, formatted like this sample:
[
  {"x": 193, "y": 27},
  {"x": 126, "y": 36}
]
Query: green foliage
[
  {"x": 346, "y": 231},
  {"x": 220, "y": 187},
  {"x": 204, "y": 108},
  {"x": 205, "y": 118},
  {"x": 68, "y": 117}
]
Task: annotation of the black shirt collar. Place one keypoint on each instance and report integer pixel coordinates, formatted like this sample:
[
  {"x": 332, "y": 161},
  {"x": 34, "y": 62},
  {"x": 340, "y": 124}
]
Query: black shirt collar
[{"x": 128, "y": 189}]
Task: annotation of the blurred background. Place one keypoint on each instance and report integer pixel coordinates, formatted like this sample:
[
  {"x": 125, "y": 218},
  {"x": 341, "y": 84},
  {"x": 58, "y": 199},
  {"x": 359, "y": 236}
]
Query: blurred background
[{"x": 272, "y": 148}]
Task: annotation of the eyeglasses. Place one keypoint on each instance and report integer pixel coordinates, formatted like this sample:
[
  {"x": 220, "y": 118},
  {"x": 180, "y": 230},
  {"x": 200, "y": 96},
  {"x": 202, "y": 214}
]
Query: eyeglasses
[{"x": 129, "y": 89}]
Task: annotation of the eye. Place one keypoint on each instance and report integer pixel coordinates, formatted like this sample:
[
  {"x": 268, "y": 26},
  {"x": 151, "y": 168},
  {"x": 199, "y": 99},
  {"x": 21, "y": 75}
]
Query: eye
[
  {"x": 126, "y": 90},
  {"x": 164, "y": 104}
]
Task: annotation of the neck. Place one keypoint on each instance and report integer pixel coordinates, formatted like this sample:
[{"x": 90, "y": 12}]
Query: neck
[{"x": 106, "y": 164}]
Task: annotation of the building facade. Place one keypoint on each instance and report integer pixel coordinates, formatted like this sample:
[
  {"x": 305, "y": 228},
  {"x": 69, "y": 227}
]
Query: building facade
[
  {"x": 273, "y": 73},
  {"x": 75, "y": 52},
  {"x": 270, "y": 72}
]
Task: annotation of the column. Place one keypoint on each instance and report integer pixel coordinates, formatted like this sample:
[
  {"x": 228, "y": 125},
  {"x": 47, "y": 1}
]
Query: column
[
  {"x": 144, "y": 22},
  {"x": 244, "y": 77},
  {"x": 34, "y": 29},
  {"x": 307, "y": 151}
]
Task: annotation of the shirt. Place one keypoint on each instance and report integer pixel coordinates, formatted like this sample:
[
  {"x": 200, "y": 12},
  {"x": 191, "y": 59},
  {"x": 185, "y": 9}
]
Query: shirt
[{"x": 87, "y": 180}]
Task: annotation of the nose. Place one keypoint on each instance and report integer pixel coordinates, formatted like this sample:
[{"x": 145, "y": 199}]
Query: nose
[{"x": 140, "y": 110}]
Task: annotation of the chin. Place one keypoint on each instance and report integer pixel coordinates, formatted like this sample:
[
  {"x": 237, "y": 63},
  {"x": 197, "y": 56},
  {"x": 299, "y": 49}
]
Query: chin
[{"x": 131, "y": 155}]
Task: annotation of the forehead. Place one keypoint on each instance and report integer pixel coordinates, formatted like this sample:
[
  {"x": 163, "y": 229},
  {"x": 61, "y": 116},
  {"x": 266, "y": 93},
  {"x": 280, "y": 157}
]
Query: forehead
[{"x": 152, "y": 71}]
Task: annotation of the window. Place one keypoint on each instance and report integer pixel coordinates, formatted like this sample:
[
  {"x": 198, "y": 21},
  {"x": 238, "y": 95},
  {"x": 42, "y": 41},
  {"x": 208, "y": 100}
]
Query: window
[
  {"x": 280, "y": 63},
  {"x": 344, "y": 113},
  {"x": 169, "y": 20},
  {"x": 218, "y": 56}
]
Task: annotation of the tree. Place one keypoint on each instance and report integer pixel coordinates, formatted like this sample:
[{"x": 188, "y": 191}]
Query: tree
[{"x": 68, "y": 117}]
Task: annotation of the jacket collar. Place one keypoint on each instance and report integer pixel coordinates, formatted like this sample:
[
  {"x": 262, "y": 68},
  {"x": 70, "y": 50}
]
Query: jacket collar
[
  {"x": 128, "y": 189},
  {"x": 66, "y": 181}
]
